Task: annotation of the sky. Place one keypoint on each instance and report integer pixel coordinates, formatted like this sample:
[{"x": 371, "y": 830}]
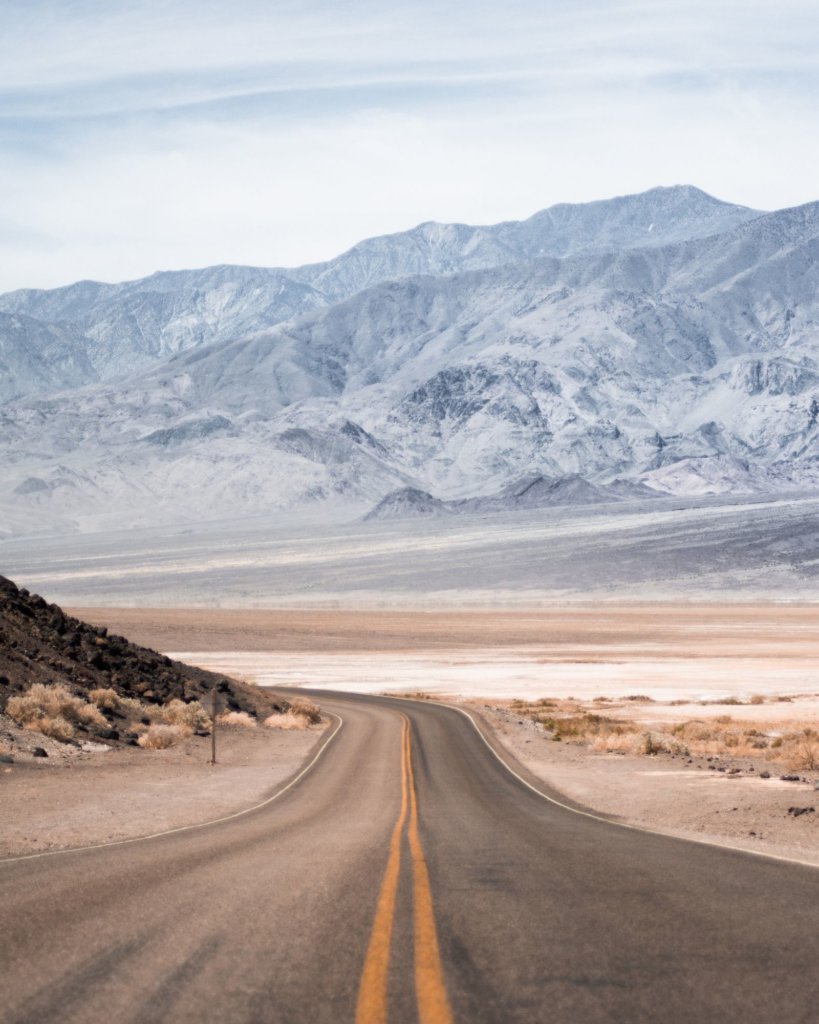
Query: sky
[{"x": 148, "y": 135}]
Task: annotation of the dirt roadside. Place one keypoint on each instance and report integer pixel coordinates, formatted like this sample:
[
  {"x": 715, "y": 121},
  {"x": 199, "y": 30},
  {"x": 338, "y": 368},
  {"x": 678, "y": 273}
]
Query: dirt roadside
[
  {"x": 83, "y": 798},
  {"x": 719, "y": 800}
]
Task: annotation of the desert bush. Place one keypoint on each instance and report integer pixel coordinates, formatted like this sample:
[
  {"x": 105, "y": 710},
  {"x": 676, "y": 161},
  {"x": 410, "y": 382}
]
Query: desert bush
[
  {"x": 160, "y": 736},
  {"x": 287, "y": 720},
  {"x": 305, "y": 707},
  {"x": 240, "y": 719},
  {"x": 177, "y": 712},
  {"x": 649, "y": 744},
  {"x": 757, "y": 699},
  {"x": 40, "y": 701},
  {"x": 132, "y": 707},
  {"x": 803, "y": 754},
  {"x": 614, "y": 743},
  {"x": 51, "y": 710},
  {"x": 55, "y": 726},
  {"x": 90, "y": 714},
  {"x": 105, "y": 698}
]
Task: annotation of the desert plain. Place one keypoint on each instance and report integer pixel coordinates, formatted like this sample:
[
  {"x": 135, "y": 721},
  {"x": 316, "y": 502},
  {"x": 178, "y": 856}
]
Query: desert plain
[{"x": 728, "y": 694}]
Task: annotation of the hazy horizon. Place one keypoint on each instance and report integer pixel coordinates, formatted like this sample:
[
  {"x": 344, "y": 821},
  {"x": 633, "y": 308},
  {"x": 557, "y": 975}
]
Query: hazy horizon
[{"x": 151, "y": 136}]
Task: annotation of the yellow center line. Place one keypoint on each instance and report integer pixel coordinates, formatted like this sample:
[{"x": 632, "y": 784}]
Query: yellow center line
[
  {"x": 430, "y": 990},
  {"x": 371, "y": 1007}
]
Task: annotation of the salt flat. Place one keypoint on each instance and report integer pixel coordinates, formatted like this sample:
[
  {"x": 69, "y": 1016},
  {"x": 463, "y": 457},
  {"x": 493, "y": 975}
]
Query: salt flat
[{"x": 670, "y": 651}]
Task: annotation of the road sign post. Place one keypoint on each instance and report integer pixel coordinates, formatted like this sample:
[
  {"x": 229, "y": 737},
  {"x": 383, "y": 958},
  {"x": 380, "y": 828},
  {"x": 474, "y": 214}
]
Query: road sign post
[{"x": 213, "y": 703}]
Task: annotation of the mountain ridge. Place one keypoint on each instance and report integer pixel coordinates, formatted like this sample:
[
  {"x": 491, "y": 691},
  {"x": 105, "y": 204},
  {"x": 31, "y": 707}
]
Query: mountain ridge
[
  {"x": 131, "y": 325},
  {"x": 687, "y": 368}
]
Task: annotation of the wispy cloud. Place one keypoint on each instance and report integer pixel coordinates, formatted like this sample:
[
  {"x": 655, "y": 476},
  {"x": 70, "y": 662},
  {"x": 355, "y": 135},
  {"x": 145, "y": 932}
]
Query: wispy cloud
[{"x": 142, "y": 135}]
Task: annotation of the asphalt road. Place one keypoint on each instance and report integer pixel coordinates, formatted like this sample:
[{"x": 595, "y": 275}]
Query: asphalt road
[{"x": 408, "y": 876}]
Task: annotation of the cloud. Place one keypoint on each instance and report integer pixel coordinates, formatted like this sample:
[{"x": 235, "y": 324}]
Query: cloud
[{"x": 149, "y": 136}]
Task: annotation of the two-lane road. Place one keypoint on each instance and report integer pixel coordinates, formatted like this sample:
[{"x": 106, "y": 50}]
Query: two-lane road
[{"x": 408, "y": 876}]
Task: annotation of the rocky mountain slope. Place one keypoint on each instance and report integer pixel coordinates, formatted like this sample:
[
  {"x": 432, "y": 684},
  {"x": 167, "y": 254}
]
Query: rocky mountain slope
[
  {"x": 39, "y": 643},
  {"x": 117, "y": 329},
  {"x": 687, "y": 367}
]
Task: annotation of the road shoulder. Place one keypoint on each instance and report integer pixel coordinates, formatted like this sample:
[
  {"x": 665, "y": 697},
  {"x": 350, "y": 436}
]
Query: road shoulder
[
  {"x": 109, "y": 796},
  {"x": 662, "y": 794}
]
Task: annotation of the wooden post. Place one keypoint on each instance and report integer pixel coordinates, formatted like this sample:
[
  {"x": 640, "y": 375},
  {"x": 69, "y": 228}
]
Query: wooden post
[{"x": 214, "y": 703}]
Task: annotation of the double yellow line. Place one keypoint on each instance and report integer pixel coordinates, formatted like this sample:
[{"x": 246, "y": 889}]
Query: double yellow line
[{"x": 430, "y": 991}]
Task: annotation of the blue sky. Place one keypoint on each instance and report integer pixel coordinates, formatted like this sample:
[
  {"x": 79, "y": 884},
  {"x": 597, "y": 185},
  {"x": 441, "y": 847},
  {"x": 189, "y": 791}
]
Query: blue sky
[{"x": 141, "y": 136}]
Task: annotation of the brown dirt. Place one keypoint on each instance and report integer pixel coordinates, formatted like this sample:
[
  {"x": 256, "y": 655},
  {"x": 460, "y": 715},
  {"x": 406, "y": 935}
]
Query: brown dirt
[
  {"x": 78, "y": 799},
  {"x": 577, "y": 632}
]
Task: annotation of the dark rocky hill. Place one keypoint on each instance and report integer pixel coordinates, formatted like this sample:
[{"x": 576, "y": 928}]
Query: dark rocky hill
[{"x": 39, "y": 643}]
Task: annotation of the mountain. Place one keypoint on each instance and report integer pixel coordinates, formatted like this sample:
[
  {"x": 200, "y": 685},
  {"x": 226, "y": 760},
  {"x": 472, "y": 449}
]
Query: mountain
[
  {"x": 408, "y": 503},
  {"x": 38, "y": 357},
  {"x": 122, "y": 328},
  {"x": 535, "y": 492},
  {"x": 688, "y": 367}
]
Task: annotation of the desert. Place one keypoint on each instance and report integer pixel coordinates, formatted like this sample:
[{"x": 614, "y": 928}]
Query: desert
[{"x": 746, "y": 670}]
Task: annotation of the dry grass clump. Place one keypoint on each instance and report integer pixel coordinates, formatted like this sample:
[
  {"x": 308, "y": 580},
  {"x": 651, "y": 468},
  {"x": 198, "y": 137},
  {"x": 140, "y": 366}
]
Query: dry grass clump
[
  {"x": 803, "y": 753},
  {"x": 240, "y": 719},
  {"x": 301, "y": 714},
  {"x": 53, "y": 711},
  {"x": 307, "y": 709},
  {"x": 105, "y": 698},
  {"x": 54, "y": 726},
  {"x": 796, "y": 747},
  {"x": 177, "y": 712},
  {"x": 159, "y": 736},
  {"x": 286, "y": 720},
  {"x": 132, "y": 708}
]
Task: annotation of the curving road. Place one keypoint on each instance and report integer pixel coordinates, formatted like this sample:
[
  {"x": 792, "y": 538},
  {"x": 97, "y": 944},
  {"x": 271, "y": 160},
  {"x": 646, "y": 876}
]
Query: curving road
[{"x": 408, "y": 876}]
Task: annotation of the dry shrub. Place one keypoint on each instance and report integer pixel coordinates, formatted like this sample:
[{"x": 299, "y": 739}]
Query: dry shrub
[
  {"x": 286, "y": 720},
  {"x": 54, "y": 726},
  {"x": 40, "y": 701},
  {"x": 160, "y": 736},
  {"x": 614, "y": 743},
  {"x": 177, "y": 712},
  {"x": 91, "y": 715},
  {"x": 105, "y": 698},
  {"x": 241, "y": 719},
  {"x": 803, "y": 755},
  {"x": 304, "y": 706},
  {"x": 132, "y": 707},
  {"x": 51, "y": 710},
  {"x": 757, "y": 699}
]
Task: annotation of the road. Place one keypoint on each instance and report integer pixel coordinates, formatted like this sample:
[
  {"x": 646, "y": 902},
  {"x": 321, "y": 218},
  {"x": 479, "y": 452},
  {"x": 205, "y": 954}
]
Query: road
[{"x": 408, "y": 876}]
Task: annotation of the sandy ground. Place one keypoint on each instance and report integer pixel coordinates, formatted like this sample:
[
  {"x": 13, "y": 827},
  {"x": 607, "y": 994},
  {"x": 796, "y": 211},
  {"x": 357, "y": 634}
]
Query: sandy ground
[
  {"x": 600, "y": 633},
  {"x": 684, "y": 797},
  {"x": 680, "y": 655},
  {"x": 668, "y": 652},
  {"x": 77, "y": 799}
]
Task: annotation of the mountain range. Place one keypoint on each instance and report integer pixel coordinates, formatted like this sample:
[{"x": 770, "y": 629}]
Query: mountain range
[{"x": 662, "y": 343}]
